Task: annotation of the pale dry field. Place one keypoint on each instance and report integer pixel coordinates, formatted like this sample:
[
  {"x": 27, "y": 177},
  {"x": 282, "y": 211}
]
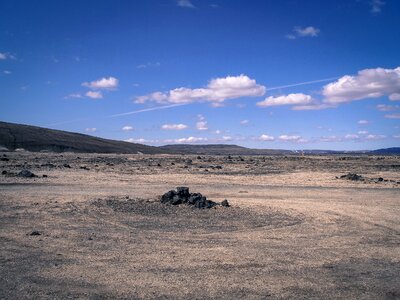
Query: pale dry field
[{"x": 294, "y": 230}]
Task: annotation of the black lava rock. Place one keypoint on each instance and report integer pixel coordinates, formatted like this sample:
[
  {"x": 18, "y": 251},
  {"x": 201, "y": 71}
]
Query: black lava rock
[
  {"x": 182, "y": 196},
  {"x": 26, "y": 173},
  {"x": 35, "y": 232}
]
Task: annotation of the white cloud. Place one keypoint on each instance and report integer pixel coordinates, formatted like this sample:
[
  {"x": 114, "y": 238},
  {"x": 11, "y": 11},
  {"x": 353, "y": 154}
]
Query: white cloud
[
  {"x": 109, "y": 83},
  {"x": 93, "y": 129},
  {"x": 244, "y": 122},
  {"x": 291, "y": 99},
  {"x": 174, "y": 126},
  {"x": 190, "y": 140},
  {"x": 331, "y": 138},
  {"x": 351, "y": 136},
  {"x": 217, "y": 90},
  {"x": 75, "y": 95},
  {"x": 376, "y": 6},
  {"x": 394, "y": 97},
  {"x": 369, "y": 83},
  {"x": 94, "y": 94},
  {"x": 227, "y": 138},
  {"x": 362, "y": 132},
  {"x": 4, "y": 56},
  {"x": 148, "y": 65},
  {"x": 298, "y": 31},
  {"x": 141, "y": 141},
  {"x": 7, "y": 72},
  {"x": 306, "y": 31},
  {"x": 265, "y": 137},
  {"x": 375, "y": 137},
  {"x": 363, "y": 122},
  {"x": 185, "y": 3},
  {"x": 289, "y": 138},
  {"x": 396, "y": 136},
  {"x": 127, "y": 128},
  {"x": 392, "y": 116},
  {"x": 384, "y": 107},
  {"x": 201, "y": 123}
]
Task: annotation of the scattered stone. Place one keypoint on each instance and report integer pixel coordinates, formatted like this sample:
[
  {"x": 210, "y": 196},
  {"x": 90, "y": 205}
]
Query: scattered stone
[
  {"x": 4, "y": 159},
  {"x": 352, "y": 176},
  {"x": 4, "y": 172},
  {"x": 84, "y": 168},
  {"x": 35, "y": 232},
  {"x": 67, "y": 166},
  {"x": 44, "y": 176},
  {"x": 182, "y": 196},
  {"x": 26, "y": 173}
]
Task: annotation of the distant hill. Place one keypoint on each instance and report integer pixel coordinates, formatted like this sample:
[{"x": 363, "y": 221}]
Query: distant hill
[
  {"x": 386, "y": 151},
  {"x": 221, "y": 149},
  {"x": 32, "y": 138}
]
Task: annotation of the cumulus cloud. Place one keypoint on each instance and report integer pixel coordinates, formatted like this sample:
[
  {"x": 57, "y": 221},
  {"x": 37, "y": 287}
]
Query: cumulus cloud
[
  {"x": 392, "y": 116},
  {"x": 185, "y": 3},
  {"x": 190, "y": 140},
  {"x": 174, "y": 126},
  {"x": 289, "y": 138},
  {"x": 298, "y": 31},
  {"x": 363, "y": 122},
  {"x": 368, "y": 83},
  {"x": 291, "y": 99},
  {"x": 94, "y": 94},
  {"x": 217, "y": 90},
  {"x": 127, "y": 128},
  {"x": 266, "y": 137},
  {"x": 93, "y": 129},
  {"x": 109, "y": 83},
  {"x": 201, "y": 123}
]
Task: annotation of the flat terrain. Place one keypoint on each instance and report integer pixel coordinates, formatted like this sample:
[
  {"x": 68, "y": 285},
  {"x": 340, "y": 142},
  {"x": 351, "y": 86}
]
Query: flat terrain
[{"x": 294, "y": 230}]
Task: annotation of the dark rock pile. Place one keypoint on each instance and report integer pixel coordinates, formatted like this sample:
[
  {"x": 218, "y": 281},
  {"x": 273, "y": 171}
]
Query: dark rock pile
[
  {"x": 182, "y": 196},
  {"x": 26, "y": 173},
  {"x": 352, "y": 176}
]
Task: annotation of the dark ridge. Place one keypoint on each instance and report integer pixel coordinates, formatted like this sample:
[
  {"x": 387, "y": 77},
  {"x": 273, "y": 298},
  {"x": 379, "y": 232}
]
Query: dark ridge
[{"x": 32, "y": 138}]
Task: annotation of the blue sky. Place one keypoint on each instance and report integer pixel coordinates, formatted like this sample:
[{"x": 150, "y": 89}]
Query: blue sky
[{"x": 263, "y": 74}]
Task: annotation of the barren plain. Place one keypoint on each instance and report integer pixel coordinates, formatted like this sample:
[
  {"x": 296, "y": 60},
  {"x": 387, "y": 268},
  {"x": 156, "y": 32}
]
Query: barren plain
[{"x": 94, "y": 228}]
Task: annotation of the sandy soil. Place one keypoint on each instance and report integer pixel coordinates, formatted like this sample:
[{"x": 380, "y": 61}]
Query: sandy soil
[{"x": 294, "y": 230}]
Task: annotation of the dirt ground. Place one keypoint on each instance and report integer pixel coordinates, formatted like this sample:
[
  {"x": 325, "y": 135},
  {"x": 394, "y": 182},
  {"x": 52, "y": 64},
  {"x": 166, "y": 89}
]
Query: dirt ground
[{"x": 293, "y": 231}]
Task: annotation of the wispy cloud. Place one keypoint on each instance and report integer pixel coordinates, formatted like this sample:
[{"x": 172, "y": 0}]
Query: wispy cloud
[
  {"x": 73, "y": 95},
  {"x": 244, "y": 122},
  {"x": 6, "y": 72},
  {"x": 218, "y": 90},
  {"x": 363, "y": 122},
  {"x": 392, "y": 116},
  {"x": 185, "y": 3},
  {"x": 92, "y": 129},
  {"x": 376, "y": 6},
  {"x": 299, "y": 32},
  {"x": 146, "y": 110},
  {"x": 174, "y": 127},
  {"x": 385, "y": 107},
  {"x": 148, "y": 65},
  {"x": 4, "y": 56},
  {"x": 94, "y": 94}
]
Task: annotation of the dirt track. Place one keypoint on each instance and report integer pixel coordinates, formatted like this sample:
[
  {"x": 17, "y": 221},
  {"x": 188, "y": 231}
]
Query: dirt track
[{"x": 293, "y": 231}]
